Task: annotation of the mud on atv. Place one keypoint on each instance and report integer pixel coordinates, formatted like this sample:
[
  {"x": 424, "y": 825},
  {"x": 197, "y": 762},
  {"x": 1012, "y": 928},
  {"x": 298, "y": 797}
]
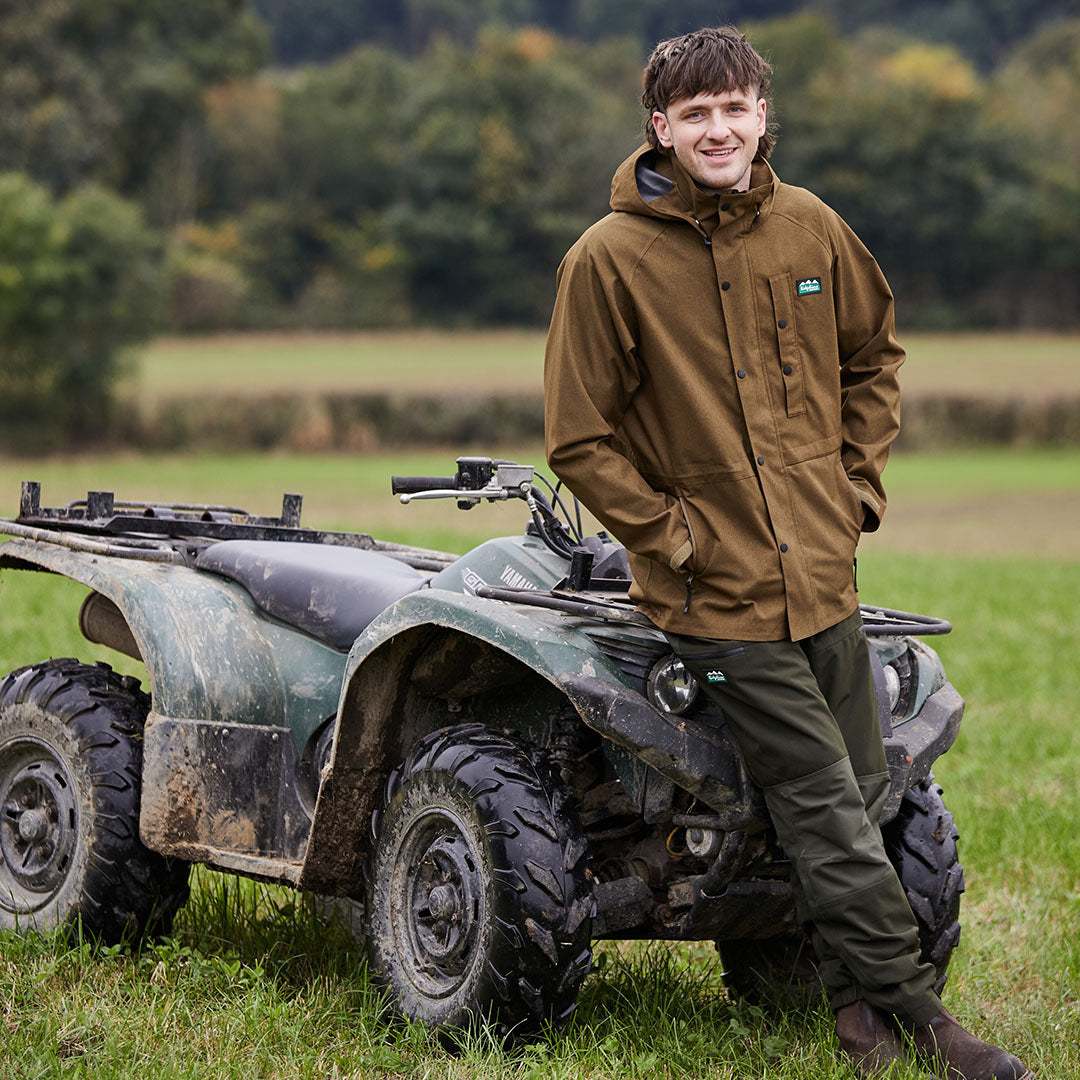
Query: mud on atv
[{"x": 494, "y": 754}]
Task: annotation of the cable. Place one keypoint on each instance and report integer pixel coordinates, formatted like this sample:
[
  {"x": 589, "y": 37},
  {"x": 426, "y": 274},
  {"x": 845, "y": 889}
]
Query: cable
[{"x": 576, "y": 533}]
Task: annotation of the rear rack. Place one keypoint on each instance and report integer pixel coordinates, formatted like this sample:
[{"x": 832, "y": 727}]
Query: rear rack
[{"x": 100, "y": 524}]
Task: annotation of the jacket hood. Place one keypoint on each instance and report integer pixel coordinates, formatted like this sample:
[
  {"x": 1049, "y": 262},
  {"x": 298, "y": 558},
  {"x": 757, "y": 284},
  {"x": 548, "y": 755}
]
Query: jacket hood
[{"x": 654, "y": 184}]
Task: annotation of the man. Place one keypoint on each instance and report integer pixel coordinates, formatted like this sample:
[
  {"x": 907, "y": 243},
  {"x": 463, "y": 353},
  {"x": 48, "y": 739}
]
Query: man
[{"x": 721, "y": 391}]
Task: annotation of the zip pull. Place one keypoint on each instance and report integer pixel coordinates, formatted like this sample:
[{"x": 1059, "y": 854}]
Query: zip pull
[{"x": 689, "y": 590}]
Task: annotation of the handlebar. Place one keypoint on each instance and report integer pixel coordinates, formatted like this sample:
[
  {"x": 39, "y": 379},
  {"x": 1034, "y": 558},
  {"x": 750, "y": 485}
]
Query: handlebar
[
  {"x": 411, "y": 485},
  {"x": 481, "y": 479}
]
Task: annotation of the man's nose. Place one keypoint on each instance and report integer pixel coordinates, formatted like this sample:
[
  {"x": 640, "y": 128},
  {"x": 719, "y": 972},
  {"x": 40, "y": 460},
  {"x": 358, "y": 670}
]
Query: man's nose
[{"x": 718, "y": 125}]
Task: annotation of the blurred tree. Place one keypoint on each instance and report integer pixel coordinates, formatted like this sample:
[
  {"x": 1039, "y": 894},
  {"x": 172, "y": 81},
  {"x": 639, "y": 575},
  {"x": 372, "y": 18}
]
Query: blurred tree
[
  {"x": 1030, "y": 227},
  {"x": 112, "y": 90},
  {"x": 79, "y": 279},
  {"x": 890, "y": 134},
  {"x": 306, "y": 30},
  {"x": 509, "y": 159},
  {"x": 983, "y": 30}
]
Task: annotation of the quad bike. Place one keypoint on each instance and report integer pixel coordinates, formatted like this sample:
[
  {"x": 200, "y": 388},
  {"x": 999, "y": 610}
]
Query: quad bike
[{"x": 494, "y": 754}]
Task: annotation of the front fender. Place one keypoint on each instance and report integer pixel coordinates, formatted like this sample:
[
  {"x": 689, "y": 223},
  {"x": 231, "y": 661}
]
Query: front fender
[{"x": 372, "y": 735}]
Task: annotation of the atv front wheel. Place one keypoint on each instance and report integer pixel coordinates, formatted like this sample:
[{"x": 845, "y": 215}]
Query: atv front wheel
[
  {"x": 921, "y": 844},
  {"x": 70, "y": 769},
  {"x": 479, "y": 907}
]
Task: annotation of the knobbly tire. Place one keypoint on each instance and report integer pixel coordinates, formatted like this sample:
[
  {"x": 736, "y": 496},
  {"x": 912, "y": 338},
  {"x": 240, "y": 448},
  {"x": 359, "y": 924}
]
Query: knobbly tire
[
  {"x": 479, "y": 905},
  {"x": 921, "y": 844},
  {"x": 70, "y": 770}
]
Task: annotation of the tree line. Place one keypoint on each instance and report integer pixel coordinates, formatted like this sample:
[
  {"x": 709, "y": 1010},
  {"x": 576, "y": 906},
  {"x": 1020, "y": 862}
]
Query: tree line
[{"x": 229, "y": 164}]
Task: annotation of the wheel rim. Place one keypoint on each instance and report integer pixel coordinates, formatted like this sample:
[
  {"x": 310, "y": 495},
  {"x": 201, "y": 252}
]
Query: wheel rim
[
  {"x": 437, "y": 902},
  {"x": 38, "y": 824}
]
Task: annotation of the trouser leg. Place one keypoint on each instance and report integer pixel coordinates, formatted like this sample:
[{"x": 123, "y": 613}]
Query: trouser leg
[{"x": 804, "y": 716}]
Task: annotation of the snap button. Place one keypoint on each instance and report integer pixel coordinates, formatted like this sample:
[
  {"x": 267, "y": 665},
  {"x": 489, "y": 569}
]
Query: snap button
[
  {"x": 782, "y": 323},
  {"x": 783, "y": 547},
  {"x": 741, "y": 373},
  {"x": 726, "y": 285},
  {"x": 788, "y": 369}
]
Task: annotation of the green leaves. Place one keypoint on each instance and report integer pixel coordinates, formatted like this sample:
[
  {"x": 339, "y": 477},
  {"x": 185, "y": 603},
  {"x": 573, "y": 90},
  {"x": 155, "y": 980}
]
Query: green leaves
[{"x": 79, "y": 279}]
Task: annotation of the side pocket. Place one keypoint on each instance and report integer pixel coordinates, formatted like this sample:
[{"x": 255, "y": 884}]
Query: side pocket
[
  {"x": 787, "y": 333},
  {"x": 847, "y": 495},
  {"x": 707, "y": 657}
]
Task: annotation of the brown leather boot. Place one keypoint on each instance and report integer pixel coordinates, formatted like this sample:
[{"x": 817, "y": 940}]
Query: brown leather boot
[
  {"x": 955, "y": 1054},
  {"x": 866, "y": 1040}
]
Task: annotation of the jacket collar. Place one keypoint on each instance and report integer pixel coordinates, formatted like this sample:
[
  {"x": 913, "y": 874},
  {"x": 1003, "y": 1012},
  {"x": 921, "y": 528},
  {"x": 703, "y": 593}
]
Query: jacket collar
[{"x": 654, "y": 184}]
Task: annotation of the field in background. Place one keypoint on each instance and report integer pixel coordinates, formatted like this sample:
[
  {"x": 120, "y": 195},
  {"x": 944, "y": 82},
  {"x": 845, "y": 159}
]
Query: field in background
[
  {"x": 994, "y": 364},
  {"x": 254, "y": 985},
  {"x": 974, "y": 503}
]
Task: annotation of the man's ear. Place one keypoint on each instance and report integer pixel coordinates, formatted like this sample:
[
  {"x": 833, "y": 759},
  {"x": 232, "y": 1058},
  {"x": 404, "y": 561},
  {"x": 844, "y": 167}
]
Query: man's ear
[{"x": 663, "y": 131}]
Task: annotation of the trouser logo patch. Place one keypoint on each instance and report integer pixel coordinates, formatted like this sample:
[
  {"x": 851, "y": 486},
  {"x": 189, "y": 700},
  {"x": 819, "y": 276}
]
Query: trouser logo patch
[{"x": 716, "y": 675}]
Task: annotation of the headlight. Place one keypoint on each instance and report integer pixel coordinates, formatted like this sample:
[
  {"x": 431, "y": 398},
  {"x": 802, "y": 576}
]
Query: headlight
[
  {"x": 900, "y": 680},
  {"x": 892, "y": 686},
  {"x": 672, "y": 689}
]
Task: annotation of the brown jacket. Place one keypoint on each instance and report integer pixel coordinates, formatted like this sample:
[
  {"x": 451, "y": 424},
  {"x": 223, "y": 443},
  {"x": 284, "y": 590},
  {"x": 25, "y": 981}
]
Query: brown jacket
[{"x": 721, "y": 384}]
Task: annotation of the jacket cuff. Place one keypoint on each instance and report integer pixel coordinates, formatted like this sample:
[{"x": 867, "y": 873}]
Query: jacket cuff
[{"x": 681, "y": 555}]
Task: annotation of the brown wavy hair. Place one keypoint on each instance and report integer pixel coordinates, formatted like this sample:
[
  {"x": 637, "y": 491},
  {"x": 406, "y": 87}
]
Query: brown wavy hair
[{"x": 714, "y": 60}]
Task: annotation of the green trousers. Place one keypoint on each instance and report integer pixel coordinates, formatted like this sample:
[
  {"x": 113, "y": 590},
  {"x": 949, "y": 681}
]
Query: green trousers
[{"x": 805, "y": 717}]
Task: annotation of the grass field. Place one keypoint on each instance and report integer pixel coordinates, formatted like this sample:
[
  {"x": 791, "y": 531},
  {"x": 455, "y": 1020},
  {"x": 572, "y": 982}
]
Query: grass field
[
  {"x": 992, "y": 502},
  {"x": 253, "y": 985},
  {"x": 997, "y": 365}
]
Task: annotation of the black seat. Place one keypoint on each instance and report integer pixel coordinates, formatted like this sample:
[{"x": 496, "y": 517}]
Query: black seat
[{"x": 330, "y": 592}]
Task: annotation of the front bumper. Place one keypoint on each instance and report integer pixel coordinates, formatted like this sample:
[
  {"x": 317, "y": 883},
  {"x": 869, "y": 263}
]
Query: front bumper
[{"x": 915, "y": 745}]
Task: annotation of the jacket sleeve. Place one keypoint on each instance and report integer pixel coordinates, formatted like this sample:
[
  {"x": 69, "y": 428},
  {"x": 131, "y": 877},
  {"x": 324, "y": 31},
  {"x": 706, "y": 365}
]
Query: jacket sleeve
[
  {"x": 870, "y": 358},
  {"x": 591, "y": 372}
]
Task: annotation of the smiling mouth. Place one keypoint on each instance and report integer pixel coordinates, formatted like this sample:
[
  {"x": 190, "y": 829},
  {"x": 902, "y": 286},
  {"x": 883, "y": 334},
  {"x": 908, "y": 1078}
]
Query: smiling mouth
[{"x": 719, "y": 152}]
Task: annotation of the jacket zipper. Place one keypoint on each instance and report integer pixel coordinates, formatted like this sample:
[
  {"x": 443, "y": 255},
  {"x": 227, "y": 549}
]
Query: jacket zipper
[{"x": 690, "y": 574}]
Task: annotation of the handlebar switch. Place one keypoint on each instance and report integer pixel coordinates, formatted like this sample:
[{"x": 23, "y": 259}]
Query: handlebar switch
[{"x": 473, "y": 473}]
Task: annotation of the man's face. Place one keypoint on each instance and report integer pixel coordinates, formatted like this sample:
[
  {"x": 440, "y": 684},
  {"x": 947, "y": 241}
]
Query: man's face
[{"x": 714, "y": 136}]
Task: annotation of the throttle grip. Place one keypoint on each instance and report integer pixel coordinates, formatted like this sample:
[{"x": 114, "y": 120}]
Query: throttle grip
[{"x": 413, "y": 485}]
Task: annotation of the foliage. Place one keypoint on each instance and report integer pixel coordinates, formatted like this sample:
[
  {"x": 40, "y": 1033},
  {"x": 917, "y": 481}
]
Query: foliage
[
  {"x": 319, "y": 30},
  {"x": 430, "y": 161},
  {"x": 79, "y": 279},
  {"x": 111, "y": 90}
]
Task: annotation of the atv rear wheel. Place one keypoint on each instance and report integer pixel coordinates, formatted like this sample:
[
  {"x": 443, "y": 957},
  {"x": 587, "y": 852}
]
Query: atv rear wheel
[
  {"x": 479, "y": 906},
  {"x": 70, "y": 770},
  {"x": 921, "y": 844}
]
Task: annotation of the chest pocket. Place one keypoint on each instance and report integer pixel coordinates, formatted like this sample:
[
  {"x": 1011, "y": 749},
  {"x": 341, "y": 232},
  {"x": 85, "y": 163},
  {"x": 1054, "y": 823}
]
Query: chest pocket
[{"x": 791, "y": 362}]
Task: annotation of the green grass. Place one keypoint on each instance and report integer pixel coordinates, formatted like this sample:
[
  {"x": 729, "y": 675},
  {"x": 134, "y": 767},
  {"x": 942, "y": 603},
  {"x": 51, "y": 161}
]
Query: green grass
[
  {"x": 997, "y": 364},
  {"x": 252, "y": 984}
]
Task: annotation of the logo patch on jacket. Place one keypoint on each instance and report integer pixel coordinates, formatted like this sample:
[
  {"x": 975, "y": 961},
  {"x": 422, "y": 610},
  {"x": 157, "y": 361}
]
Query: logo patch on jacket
[
  {"x": 716, "y": 675},
  {"x": 807, "y": 286}
]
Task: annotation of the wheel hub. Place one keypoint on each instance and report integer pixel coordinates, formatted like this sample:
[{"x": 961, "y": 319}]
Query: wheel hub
[
  {"x": 438, "y": 902},
  {"x": 38, "y": 824},
  {"x": 33, "y": 825}
]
